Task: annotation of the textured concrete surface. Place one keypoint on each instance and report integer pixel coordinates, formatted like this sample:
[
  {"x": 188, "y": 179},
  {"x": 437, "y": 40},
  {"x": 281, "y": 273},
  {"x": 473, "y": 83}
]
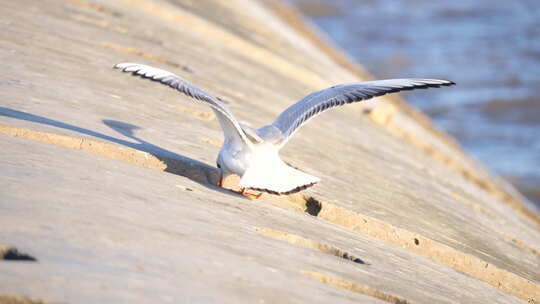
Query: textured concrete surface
[{"x": 107, "y": 181}]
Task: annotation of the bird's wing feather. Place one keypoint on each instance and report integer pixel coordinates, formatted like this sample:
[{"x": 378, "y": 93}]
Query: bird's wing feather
[
  {"x": 290, "y": 120},
  {"x": 231, "y": 127}
]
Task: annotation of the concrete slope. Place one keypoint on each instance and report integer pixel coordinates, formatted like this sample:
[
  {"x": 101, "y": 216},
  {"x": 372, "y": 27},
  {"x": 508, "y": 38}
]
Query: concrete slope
[{"x": 107, "y": 182}]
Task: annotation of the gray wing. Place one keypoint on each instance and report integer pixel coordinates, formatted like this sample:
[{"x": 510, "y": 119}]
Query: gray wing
[
  {"x": 315, "y": 103},
  {"x": 229, "y": 124}
]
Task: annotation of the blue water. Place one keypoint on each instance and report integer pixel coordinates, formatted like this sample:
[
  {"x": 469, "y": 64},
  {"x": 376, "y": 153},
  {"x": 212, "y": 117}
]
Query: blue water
[{"x": 490, "y": 48}]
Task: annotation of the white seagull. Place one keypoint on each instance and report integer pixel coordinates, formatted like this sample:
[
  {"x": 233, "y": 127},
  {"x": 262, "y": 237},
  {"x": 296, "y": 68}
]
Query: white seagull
[{"x": 253, "y": 154}]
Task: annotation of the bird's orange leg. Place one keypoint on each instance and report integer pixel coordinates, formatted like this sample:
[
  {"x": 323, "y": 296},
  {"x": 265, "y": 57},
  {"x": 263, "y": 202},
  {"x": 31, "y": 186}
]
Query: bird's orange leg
[
  {"x": 244, "y": 192},
  {"x": 250, "y": 195}
]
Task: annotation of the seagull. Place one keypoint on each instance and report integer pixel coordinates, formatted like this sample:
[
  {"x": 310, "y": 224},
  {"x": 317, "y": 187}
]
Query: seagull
[{"x": 253, "y": 154}]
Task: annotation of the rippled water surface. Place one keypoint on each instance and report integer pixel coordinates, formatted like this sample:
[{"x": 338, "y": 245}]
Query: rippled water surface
[{"x": 491, "y": 48}]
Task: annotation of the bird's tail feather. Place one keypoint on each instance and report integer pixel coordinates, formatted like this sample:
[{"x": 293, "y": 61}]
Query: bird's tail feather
[{"x": 277, "y": 179}]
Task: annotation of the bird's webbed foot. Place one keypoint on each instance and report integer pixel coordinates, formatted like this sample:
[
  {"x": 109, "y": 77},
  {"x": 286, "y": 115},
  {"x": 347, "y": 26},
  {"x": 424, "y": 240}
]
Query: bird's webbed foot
[{"x": 245, "y": 193}]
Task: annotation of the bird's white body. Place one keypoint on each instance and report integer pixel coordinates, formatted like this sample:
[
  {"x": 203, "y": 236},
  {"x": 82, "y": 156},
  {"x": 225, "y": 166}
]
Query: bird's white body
[
  {"x": 253, "y": 154},
  {"x": 261, "y": 168}
]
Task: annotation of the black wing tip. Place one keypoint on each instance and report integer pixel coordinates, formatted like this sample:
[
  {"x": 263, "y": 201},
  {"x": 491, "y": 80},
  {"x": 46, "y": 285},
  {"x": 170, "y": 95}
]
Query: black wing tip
[
  {"x": 124, "y": 68},
  {"x": 121, "y": 66},
  {"x": 295, "y": 190},
  {"x": 446, "y": 83},
  {"x": 135, "y": 72}
]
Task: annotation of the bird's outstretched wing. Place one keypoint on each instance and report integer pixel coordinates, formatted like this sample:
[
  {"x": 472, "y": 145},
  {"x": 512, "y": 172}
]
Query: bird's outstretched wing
[
  {"x": 229, "y": 124},
  {"x": 315, "y": 103}
]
